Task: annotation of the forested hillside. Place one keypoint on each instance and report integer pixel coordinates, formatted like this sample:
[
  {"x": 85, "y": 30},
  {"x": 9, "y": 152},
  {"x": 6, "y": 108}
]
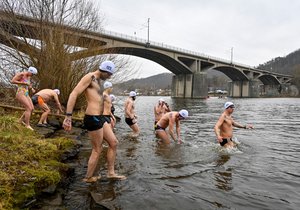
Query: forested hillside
[{"x": 289, "y": 64}]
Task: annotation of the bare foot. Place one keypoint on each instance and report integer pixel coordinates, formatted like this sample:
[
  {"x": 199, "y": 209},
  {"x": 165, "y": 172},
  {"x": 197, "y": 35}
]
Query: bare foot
[
  {"x": 29, "y": 127},
  {"x": 91, "y": 179},
  {"x": 116, "y": 177}
]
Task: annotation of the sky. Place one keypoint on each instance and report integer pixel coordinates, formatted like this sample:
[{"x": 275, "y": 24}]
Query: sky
[{"x": 248, "y": 32}]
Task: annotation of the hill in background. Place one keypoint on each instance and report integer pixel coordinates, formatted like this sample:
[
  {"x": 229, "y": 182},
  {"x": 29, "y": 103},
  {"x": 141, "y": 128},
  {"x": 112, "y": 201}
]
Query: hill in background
[
  {"x": 284, "y": 65},
  {"x": 146, "y": 86}
]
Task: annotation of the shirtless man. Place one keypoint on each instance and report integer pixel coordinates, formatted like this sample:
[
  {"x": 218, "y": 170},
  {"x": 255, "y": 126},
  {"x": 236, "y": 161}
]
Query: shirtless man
[
  {"x": 160, "y": 109},
  {"x": 169, "y": 119},
  {"x": 130, "y": 117},
  {"x": 90, "y": 85},
  {"x": 108, "y": 133},
  {"x": 225, "y": 124},
  {"x": 41, "y": 98}
]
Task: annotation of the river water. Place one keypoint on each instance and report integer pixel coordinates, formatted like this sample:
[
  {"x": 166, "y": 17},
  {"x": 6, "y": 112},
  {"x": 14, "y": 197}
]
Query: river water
[{"x": 262, "y": 173}]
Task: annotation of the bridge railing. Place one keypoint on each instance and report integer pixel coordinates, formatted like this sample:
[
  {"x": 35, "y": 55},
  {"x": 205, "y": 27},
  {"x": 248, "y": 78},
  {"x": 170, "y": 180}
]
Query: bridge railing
[{"x": 166, "y": 46}]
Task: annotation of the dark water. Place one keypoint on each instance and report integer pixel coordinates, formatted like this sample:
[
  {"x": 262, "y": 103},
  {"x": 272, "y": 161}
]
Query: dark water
[{"x": 262, "y": 173}]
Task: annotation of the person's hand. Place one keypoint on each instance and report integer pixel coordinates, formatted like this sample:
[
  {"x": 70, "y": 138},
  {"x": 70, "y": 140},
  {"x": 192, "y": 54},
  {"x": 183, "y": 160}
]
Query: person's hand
[
  {"x": 33, "y": 90},
  {"x": 179, "y": 141},
  {"x": 134, "y": 120},
  {"x": 220, "y": 139},
  {"x": 249, "y": 126},
  {"x": 67, "y": 124}
]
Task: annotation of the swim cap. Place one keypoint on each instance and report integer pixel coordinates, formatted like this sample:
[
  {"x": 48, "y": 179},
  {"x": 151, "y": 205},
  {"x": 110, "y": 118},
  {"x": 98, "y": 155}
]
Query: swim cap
[
  {"x": 56, "y": 91},
  {"x": 107, "y": 84},
  {"x": 161, "y": 100},
  {"x": 107, "y": 66},
  {"x": 228, "y": 104},
  {"x": 32, "y": 70},
  {"x": 184, "y": 113},
  {"x": 112, "y": 97},
  {"x": 132, "y": 93}
]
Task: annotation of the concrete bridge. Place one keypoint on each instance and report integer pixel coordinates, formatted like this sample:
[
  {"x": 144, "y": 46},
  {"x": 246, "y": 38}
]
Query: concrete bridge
[{"x": 190, "y": 68}]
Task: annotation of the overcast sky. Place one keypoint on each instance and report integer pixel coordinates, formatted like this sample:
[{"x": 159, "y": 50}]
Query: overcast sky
[{"x": 256, "y": 30}]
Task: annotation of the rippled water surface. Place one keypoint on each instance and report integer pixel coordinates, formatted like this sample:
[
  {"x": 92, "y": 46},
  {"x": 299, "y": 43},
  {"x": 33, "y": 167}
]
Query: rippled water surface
[{"x": 262, "y": 173}]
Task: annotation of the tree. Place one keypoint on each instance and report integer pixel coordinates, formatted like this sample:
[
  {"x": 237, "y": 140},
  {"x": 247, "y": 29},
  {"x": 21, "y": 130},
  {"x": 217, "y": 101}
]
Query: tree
[{"x": 50, "y": 46}]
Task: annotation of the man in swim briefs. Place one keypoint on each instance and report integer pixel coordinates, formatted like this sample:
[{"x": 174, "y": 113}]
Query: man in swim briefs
[
  {"x": 130, "y": 117},
  {"x": 108, "y": 133},
  {"x": 41, "y": 99},
  {"x": 168, "y": 120},
  {"x": 93, "y": 122},
  {"x": 160, "y": 109},
  {"x": 224, "y": 126}
]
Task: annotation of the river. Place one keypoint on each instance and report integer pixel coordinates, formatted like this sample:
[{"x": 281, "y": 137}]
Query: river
[{"x": 262, "y": 173}]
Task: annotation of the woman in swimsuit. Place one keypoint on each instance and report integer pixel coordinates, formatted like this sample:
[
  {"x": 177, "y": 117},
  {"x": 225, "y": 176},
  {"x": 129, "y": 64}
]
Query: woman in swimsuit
[{"x": 22, "y": 79}]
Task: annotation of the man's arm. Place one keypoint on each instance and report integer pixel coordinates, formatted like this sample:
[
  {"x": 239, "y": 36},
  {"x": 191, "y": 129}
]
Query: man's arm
[
  {"x": 178, "y": 131},
  {"x": 57, "y": 102},
  {"x": 80, "y": 87},
  {"x": 171, "y": 126},
  {"x": 238, "y": 125}
]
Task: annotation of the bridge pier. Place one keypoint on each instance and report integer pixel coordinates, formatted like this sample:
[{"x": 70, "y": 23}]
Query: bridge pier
[
  {"x": 243, "y": 89},
  {"x": 189, "y": 85}
]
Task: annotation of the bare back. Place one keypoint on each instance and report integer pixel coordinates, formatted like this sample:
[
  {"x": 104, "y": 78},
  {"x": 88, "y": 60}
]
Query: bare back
[
  {"x": 129, "y": 108},
  {"x": 167, "y": 119},
  {"x": 47, "y": 94}
]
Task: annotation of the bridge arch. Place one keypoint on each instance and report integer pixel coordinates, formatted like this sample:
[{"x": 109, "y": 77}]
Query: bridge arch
[
  {"x": 233, "y": 73},
  {"x": 269, "y": 80}
]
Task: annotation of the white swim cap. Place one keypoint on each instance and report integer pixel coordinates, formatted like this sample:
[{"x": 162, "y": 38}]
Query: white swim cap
[
  {"x": 56, "y": 91},
  {"x": 112, "y": 97},
  {"x": 228, "y": 104},
  {"x": 32, "y": 70},
  {"x": 132, "y": 93},
  {"x": 161, "y": 100},
  {"x": 184, "y": 113},
  {"x": 107, "y": 66},
  {"x": 107, "y": 84}
]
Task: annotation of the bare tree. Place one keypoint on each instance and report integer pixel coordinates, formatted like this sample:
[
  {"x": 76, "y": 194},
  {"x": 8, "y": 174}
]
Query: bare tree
[{"x": 43, "y": 33}]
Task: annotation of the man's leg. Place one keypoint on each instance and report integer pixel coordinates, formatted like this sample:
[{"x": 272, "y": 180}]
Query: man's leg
[
  {"x": 44, "y": 116},
  {"x": 112, "y": 141},
  {"x": 96, "y": 141},
  {"x": 163, "y": 135},
  {"x": 135, "y": 128}
]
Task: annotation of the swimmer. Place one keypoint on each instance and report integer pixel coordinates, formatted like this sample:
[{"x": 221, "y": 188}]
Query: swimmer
[
  {"x": 160, "y": 109},
  {"x": 41, "y": 99},
  {"x": 93, "y": 122},
  {"x": 168, "y": 120},
  {"x": 108, "y": 133},
  {"x": 130, "y": 117},
  {"x": 22, "y": 79},
  {"x": 224, "y": 126}
]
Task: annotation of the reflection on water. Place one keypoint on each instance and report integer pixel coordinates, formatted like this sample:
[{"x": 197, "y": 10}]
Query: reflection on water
[
  {"x": 223, "y": 176},
  {"x": 262, "y": 173}
]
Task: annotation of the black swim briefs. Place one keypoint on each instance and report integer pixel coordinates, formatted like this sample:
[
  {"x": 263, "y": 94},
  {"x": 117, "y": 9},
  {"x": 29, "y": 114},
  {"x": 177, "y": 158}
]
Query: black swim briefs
[
  {"x": 157, "y": 127},
  {"x": 129, "y": 121},
  {"x": 225, "y": 141},
  {"x": 106, "y": 118},
  {"x": 93, "y": 122}
]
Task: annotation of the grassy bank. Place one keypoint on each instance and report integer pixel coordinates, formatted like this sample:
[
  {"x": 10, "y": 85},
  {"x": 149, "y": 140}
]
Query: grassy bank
[{"x": 28, "y": 162}]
